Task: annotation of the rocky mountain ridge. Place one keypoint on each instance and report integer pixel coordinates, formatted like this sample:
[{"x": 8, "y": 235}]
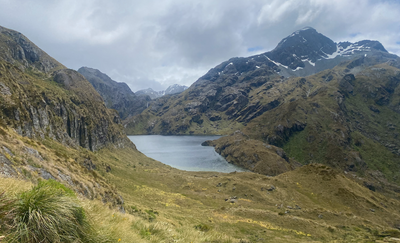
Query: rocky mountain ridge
[
  {"x": 307, "y": 46},
  {"x": 40, "y": 108},
  {"x": 18, "y": 50},
  {"x": 117, "y": 96}
]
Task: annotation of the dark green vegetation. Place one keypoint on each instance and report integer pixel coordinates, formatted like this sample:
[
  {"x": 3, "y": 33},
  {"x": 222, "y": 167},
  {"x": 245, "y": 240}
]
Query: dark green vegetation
[{"x": 54, "y": 125}]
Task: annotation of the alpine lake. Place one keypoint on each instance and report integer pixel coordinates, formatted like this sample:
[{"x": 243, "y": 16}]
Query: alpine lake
[{"x": 183, "y": 152}]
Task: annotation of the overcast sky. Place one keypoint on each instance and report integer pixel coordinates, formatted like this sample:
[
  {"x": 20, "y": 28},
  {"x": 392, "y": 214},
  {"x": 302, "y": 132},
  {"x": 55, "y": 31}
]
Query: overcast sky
[{"x": 159, "y": 43}]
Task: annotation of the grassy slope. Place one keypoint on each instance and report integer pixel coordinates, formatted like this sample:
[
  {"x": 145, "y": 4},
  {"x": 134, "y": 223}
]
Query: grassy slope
[{"x": 192, "y": 198}]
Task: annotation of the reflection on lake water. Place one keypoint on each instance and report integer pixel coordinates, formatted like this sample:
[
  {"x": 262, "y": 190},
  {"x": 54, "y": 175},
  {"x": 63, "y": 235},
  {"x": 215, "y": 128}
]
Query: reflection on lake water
[{"x": 183, "y": 152}]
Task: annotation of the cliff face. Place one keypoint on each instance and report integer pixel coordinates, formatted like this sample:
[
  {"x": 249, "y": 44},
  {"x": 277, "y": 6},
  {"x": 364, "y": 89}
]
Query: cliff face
[
  {"x": 39, "y": 98},
  {"x": 116, "y": 95},
  {"x": 64, "y": 107}
]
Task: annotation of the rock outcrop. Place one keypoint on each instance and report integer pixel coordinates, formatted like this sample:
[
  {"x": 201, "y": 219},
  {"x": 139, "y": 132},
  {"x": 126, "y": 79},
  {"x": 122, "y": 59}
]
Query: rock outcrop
[{"x": 18, "y": 50}]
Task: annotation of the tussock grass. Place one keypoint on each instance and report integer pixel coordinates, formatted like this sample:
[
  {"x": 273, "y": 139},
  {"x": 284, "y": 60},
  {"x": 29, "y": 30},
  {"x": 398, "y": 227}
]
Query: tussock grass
[{"x": 50, "y": 212}]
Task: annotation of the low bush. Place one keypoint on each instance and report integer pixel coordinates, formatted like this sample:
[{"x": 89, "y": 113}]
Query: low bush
[
  {"x": 202, "y": 227},
  {"x": 151, "y": 214}
]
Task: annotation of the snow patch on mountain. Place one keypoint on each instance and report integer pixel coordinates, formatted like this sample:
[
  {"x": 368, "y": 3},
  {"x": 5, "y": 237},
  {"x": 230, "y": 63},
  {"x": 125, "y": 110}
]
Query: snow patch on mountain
[
  {"x": 347, "y": 49},
  {"x": 173, "y": 89},
  {"x": 276, "y": 63}
]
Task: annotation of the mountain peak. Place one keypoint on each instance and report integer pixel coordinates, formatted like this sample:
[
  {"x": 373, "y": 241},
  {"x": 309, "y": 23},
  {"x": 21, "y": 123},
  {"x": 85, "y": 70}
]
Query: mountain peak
[
  {"x": 304, "y": 30},
  {"x": 307, "y": 28},
  {"x": 304, "y": 44},
  {"x": 300, "y": 52}
]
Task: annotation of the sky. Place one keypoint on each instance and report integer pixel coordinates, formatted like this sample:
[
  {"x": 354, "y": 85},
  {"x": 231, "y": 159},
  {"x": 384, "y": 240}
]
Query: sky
[{"x": 153, "y": 44}]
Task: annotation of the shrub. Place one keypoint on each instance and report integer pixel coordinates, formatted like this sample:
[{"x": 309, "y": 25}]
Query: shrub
[
  {"x": 202, "y": 227},
  {"x": 50, "y": 212},
  {"x": 151, "y": 214},
  {"x": 132, "y": 209}
]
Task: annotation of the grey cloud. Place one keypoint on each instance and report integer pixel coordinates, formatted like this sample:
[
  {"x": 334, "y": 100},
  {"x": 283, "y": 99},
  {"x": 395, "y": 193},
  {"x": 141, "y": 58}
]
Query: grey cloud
[{"x": 157, "y": 43}]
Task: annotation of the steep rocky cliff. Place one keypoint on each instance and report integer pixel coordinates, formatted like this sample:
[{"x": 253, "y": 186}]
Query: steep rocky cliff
[
  {"x": 117, "y": 96},
  {"x": 40, "y": 98},
  {"x": 63, "y": 107}
]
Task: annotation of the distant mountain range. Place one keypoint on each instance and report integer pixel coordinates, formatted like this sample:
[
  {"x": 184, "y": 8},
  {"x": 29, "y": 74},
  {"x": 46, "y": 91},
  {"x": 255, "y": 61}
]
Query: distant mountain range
[
  {"x": 118, "y": 95},
  {"x": 173, "y": 89}
]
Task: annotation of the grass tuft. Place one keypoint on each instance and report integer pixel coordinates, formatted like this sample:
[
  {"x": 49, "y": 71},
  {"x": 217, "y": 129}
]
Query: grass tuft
[{"x": 50, "y": 212}]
